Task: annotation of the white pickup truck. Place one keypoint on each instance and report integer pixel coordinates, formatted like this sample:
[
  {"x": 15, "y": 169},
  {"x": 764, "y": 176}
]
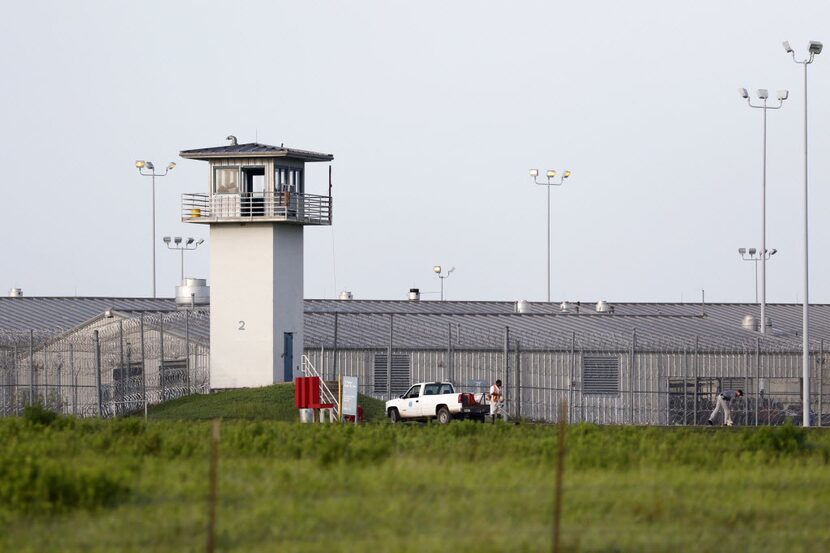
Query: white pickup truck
[{"x": 427, "y": 400}]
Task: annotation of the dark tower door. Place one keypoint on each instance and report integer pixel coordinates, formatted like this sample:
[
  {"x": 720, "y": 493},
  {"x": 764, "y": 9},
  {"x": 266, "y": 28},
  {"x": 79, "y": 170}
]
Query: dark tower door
[
  {"x": 288, "y": 357},
  {"x": 253, "y": 191}
]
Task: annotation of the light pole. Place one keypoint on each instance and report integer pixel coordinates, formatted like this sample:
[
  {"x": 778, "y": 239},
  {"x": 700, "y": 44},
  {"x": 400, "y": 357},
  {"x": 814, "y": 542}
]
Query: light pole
[
  {"x": 182, "y": 245},
  {"x": 551, "y": 175},
  {"x": 141, "y": 165},
  {"x": 814, "y": 50},
  {"x": 763, "y": 95},
  {"x": 437, "y": 270},
  {"x": 748, "y": 254}
]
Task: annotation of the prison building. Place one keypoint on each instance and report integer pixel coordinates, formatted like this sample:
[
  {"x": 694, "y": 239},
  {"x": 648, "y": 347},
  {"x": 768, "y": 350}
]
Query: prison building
[{"x": 622, "y": 363}]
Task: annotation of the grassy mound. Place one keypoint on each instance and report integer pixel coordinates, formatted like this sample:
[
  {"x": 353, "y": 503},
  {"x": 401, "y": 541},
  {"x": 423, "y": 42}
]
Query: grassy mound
[{"x": 267, "y": 403}]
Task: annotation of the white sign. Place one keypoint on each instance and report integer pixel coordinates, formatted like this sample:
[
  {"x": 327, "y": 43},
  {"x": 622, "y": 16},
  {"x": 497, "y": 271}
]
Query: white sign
[{"x": 350, "y": 395}]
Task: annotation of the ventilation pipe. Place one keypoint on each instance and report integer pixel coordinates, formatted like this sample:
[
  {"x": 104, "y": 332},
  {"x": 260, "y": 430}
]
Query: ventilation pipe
[
  {"x": 414, "y": 294},
  {"x": 346, "y": 295},
  {"x": 522, "y": 306},
  {"x": 16, "y": 293}
]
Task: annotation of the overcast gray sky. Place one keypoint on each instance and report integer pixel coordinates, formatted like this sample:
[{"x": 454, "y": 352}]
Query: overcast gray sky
[{"x": 434, "y": 111}]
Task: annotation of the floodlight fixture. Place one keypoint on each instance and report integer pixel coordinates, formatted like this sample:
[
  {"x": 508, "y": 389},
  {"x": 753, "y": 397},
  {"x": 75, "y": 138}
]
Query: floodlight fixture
[
  {"x": 787, "y": 47},
  {"x": 773, "y": 251},
  {"x": 783, "y": 94},
  {"x": 200, "y": 242},
  {"x": 139, "y": 164},
  {"x": 752, "y": 251},
  {"x": 171, "y": 165},
  {"x": 436, "y": 269},
  {"x": 534, "y": 173},
  {"x": 166, "y": 239},
  {"x": 763, "y": 93},
  {"x": 743, "y": 93},
  {"x": 742, "y": 251},
  {"x": 177, "y": 240},
  {"x": 566, "y": 174},
  {"x": 550, "y": 173},
  {"x": 815, "y": 47},
  {"x": 149, "y": 165},
  {"x": 189, "y": 241}
]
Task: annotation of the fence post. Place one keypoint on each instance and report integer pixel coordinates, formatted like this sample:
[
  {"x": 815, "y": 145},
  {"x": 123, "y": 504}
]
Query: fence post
[
  {"x": 571, "y": 376},
  {"x": 697, "y": 360},
  {"x": 143, "y": 365},
  {"x": 161, "y": 362},
  {"x": 31, "y": 367},
  {"x": 16, "y": 379},
  {"x": 389, "y": 357},
  {"x": 74, "y": 379},
  {"x": 98, "y": 372},
  {"x": 124, "y": 370},
  {"x": 187, "y": 348},
  {"x": 820, "y": 370},
  {"x": 45, "y": 377},
  {"x": 506, "y": 368},
  {"x": 518, "y": 374},
  {"x": 631, "y": 369},
  {"x": 450, "y": 366},
  {"x": 334, "y": 352},
  {"x": 757, "y": 376}
]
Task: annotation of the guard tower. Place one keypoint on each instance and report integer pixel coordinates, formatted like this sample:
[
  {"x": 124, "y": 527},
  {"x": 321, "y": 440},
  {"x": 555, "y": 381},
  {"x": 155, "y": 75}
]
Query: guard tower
[{"x": 256, "y": 206}]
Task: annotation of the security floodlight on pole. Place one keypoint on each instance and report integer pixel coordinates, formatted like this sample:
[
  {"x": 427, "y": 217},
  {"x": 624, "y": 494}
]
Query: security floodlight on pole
[
  {"x": 141, "y": 165},
  {"x": 763, "y": 95},
  {"x": 814, "y": 50},
  {"x": 748, "y": 254},
  {"x": 437, "y": 270},
  {"x": 551, "y": 176},
  {"x": 189, "y": 244}
]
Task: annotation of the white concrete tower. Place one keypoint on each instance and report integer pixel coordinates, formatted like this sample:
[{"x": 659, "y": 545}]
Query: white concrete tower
[{"x": 256, "y": 207}]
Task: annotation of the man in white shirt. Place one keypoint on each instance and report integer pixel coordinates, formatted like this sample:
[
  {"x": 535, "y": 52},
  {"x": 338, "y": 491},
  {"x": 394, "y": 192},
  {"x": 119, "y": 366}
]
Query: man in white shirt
[{"x": 495, "y": 400}]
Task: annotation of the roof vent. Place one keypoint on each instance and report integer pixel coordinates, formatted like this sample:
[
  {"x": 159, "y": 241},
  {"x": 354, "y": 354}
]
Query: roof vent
[
  {"x": 193, "y": 292},
  {"x": 565, "y": 307},
  {"x": 604, "y": 307},
  {"x": 522, "y": 306},
  {"x": 346, "y": 295},
  {"x": 232, "y": 139},
  {"x": 108, "y": 313},
  {"x": 414, "y": 294},
  {"x": 16, "y": 293},
  {"x": 750, "y": 323}
]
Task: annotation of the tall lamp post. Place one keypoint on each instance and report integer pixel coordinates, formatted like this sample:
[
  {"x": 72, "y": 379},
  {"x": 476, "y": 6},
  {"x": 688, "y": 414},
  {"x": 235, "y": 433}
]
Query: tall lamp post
[
  {"x": 748, "y": 254},
  {"x": 437, "y": 270},
  {"x": 141, "y": 165},
  {"x": 551, "y": 181},
  {"x": 813, "y": 50},
  {"x": 182, "y": 245},
  {"x": 763, "y": 95}
]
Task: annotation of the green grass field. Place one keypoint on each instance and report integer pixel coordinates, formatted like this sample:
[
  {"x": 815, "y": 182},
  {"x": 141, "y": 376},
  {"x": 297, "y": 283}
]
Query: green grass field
[{"x": 127, "y": 485}]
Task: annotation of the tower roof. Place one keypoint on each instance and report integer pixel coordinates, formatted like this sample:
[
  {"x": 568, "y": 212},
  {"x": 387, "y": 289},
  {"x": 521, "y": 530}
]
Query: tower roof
[{"x": 253, "y": 149}]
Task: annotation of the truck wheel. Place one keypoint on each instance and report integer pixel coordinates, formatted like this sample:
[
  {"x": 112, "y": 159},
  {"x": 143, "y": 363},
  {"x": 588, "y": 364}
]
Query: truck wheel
[
  {"x": 444, "y": 415},
  {"x": 394, "y": 416}
]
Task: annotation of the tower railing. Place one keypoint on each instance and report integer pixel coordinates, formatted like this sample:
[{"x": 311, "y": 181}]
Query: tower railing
[{"x": 308, "y": 209}]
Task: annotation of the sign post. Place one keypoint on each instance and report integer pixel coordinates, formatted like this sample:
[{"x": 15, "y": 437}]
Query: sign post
[{"x": 349, "y": 403}]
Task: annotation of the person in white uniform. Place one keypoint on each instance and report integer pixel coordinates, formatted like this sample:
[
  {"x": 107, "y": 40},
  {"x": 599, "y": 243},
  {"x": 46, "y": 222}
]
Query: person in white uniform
[
  {"x": 496, "y": 398},
  {"x": 723, "y": 401}
]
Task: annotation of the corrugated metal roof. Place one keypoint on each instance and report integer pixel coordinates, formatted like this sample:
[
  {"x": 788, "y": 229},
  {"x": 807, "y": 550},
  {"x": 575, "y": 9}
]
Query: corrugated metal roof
[
  {"x": 253, "y": 149},
  {"x": 365, "y": 323},
  {"x": 43, "y": 313}
]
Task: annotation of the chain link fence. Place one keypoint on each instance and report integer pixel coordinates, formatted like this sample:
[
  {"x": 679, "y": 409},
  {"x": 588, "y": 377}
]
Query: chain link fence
[
  {"x": 110, "y": 367},
  {"x": 607, "y": 378}
]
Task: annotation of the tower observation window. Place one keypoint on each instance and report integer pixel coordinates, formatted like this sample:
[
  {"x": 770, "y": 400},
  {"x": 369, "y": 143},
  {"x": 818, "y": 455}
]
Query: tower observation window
[{"x": 227, "y": 180}]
